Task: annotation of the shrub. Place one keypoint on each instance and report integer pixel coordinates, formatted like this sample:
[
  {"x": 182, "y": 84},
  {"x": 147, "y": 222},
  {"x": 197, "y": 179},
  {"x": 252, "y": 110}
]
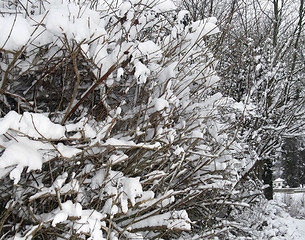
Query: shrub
[{"x": 113, "y": 126}]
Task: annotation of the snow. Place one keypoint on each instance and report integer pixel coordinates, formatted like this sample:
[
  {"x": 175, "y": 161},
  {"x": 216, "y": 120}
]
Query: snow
[
  {"x": 204, "y": 27},
  {"x": 160, "y": 104},
  {"x": 32, "y": 124},
  {"x": 168, "y": 72},
  {"x": 124, "y": 8},
  {"x": 20, "y": 155},
  {"x": 121, "y": 143},
  {"x": 141, "y": 73},
  {"x": 132, "y": 188},
  {"x": 279, "y": 180},
  {"x": 211, "y": 80},
  {"x": 74, "y": 21},
  {"x": 114, "y": 210},
  {"x": 279, "y": 225},
  {"x": 179, "y": 151},
  {"x": 98, "y": 179},
  {"x": 59, "y": 217},
  {"x": 68, "y": 209},
  {"x": 293, "y": 198},
  {"x": 176, "y": 220},
  {"x": 71, "y": 187},
  {"x": 300, "y": 227},
  {"x": 285, "y": 228},
  {"x": 114, "y": 159},
  {"x": 15, "y": 32},
  {"x": 23, "y": 151},
  {"x": 164, "y": 6},
  {"x": 149, "y": 49},
  {"x": 67, "y": 151},
  {"x": 90, "y": 222},
  {"x": 84, "y": 126},
  {"x": 60, "y": 180},
  {"x": 182, "y": 15},
  {"x": 9, "y": 121},
  {"x": 146, "y": 195},
  {"x": 197, "y": 134},
  {"x": 158, "y": 5}
]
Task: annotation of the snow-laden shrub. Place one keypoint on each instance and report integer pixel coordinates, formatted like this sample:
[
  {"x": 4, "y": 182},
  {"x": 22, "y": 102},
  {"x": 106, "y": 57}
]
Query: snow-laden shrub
[{"x": 113, "y": 126}]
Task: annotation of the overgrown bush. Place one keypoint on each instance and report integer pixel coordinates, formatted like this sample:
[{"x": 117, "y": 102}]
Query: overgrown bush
[{"x": 113, "y": 126}]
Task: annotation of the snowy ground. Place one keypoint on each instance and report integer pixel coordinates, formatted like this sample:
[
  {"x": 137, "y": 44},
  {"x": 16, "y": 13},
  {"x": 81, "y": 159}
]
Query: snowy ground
[
  {"x": 280, "y": 224},
  {"x": 300, "y": 226}
]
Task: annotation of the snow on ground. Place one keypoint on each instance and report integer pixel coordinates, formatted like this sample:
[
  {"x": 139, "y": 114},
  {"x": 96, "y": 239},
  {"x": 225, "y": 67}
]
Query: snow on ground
[
  {"x": 295, "y": 229},
  {"x": 300, "y": 226},
  {"x": 280, "y": 225},
  {"x": 294, "y": 199}
]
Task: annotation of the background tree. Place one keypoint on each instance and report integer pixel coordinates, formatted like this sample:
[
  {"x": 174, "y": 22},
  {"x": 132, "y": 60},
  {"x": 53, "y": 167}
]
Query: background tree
[
  {"x": 262, "y": 49},
  {"x": 293, "y": 161}
]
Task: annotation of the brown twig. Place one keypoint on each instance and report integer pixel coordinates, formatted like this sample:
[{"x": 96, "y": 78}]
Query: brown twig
[{"x": 98, "y": 82}]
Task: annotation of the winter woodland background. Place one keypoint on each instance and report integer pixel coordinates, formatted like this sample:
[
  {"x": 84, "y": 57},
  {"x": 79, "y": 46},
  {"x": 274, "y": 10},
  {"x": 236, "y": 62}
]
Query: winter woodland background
[{"x": 150, "y": 119}]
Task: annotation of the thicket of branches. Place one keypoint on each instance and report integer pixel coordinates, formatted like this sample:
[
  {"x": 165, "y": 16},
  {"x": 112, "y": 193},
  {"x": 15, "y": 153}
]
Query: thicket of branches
[
  {"x": 116, "y": 125},
  {"x": 261, "y": 58}
]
